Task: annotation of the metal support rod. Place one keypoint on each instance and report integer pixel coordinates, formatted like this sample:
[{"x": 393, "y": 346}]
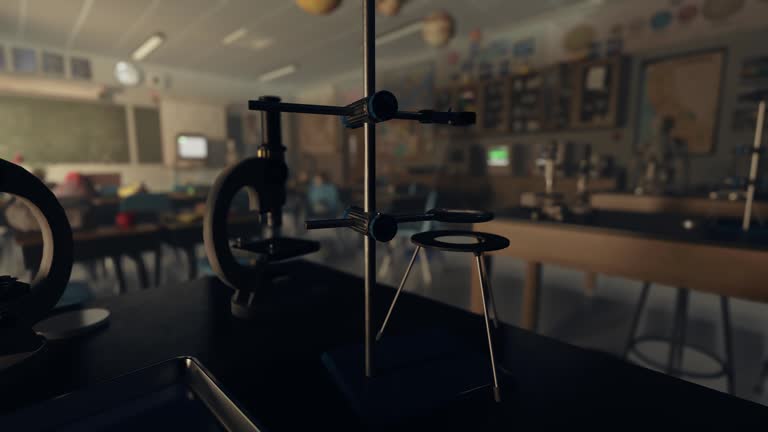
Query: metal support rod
[
  {"x": 268, "y": 106},
  {"x": 369, "y": 77},
  {"x": 753, "y": 167},
  {"x": 496, "y": 389},
  {"x": 491, "y": 301},
  {"x": 397, "y": 294}
]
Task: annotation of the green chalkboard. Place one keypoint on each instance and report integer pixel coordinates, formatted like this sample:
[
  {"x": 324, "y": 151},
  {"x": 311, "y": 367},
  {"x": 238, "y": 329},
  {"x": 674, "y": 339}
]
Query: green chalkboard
[
  {"x": 148, "y": 135},
  {"x": 45, "y": 130}
]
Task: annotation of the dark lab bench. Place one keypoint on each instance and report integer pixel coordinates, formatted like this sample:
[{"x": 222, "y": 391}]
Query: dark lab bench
[{"x": 273, "y": 367}]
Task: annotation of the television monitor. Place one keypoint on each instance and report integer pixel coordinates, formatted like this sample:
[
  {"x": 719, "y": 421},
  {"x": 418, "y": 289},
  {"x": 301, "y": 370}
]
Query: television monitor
[
  {"x": 498, "y": 156},
  {"x": 192, "y": 147}
]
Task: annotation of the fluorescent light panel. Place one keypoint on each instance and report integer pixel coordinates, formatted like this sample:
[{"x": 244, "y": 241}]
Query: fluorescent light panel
[
  {"x": 149, "y": 46},
  {"x": 234, "y": 36},
  {"x": 260, "y": 43},
  {"x": 399, "y": 33},
  {"x": 50, "y": 87},
  {"x": 278, "y": 73}
]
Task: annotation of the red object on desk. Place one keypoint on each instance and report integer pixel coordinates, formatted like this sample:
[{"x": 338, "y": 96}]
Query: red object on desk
[{"x": 125, "y": 219}]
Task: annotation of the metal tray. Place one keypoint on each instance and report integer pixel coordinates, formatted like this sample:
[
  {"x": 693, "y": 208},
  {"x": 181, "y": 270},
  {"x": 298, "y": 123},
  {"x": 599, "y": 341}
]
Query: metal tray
[{"x": 177, "y": 394}]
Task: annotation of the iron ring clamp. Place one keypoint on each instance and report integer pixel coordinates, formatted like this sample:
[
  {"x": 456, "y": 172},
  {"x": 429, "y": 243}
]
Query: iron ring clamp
[
  {"x": 380, "y": 107},
  {"x": 19, "y": 311},
  {"x": 383, "y": 227}
]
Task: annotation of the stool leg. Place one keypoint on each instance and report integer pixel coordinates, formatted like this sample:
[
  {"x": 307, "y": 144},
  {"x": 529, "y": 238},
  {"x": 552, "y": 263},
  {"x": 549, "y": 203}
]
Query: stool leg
[
  {"x": 491, "y": 301},
  {"x": 397, "y": 294},
  {"x": 484, "y": 288},
  {"x": 675, "y": 363},
  {"x": 727, "y": 334},
  {"x": 636, "y": 318},
  {"x": 426, "y": 272}
]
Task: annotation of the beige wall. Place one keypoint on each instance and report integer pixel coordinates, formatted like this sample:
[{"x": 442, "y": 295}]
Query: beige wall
[{"x": 179, "y": 116}]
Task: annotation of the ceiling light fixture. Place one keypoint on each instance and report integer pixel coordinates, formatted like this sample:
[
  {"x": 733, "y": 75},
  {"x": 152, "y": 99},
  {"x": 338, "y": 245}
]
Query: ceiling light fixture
[
  {"x": 399, "y": 33},
  {"x": 260, "y": 43},
  {"x": 278, "y": 73},
  {"x": 51, "y": 87},
  {"x": 149, "y": 45},
  {"x": 234, "y": 36}
]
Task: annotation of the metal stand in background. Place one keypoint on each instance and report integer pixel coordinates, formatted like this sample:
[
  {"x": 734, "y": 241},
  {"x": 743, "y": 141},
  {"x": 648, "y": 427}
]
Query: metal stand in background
[
  {"x": 751, "y": 186},
  {"x": 753, "y": 166},
  {"x": 374, "y": 108}
]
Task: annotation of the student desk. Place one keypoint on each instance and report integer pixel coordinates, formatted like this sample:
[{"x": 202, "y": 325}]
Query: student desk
[{"x": 113, "y": 242}]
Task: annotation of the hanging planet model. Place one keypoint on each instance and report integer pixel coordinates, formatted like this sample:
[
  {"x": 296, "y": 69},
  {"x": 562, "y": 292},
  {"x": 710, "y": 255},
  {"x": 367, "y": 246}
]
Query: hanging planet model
[
  {"x": 439, "y": 28},
  {"x": 389, "y": 7},
  {"x": 318, "y": 7}
]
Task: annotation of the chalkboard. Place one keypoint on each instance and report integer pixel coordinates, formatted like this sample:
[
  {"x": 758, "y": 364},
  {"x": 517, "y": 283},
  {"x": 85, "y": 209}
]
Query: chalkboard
[
  {"x": 493, "y": 106},
  {"x": 148, "y": 137},
  {"x": 45, "y": 130}
]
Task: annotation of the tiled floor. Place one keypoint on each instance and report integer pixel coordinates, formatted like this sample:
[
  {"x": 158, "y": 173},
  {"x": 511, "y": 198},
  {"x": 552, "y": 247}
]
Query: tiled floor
[{"x": 600, "y": 322}]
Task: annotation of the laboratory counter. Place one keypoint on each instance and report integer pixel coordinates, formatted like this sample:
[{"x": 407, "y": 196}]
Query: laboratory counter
[
  {"x": 702, "y": 254},
  {"x": 273, "y": 366},
  {"x": 722, "y": 231}
]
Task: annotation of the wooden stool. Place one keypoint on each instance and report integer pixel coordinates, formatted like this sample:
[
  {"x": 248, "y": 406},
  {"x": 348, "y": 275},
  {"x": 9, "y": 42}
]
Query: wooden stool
[{"x": 677, "y": 341}]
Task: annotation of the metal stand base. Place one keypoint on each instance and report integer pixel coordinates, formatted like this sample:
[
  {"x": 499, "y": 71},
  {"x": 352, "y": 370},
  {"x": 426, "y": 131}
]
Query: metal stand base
[{"x": 415, "y": 374}]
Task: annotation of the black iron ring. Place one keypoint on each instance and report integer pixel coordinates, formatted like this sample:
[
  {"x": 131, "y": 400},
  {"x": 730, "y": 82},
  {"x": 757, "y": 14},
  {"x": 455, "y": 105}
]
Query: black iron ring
[{"x": 56, "y": 264}]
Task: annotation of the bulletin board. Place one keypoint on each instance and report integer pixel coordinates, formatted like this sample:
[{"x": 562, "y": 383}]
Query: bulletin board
[{"x": 686, "y": 89}]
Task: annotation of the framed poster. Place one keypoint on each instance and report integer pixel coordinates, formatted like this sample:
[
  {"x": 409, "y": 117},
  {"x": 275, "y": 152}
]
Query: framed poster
[
  {"x": 686, "y": 90},
  {"x": 599, "y": 93}
]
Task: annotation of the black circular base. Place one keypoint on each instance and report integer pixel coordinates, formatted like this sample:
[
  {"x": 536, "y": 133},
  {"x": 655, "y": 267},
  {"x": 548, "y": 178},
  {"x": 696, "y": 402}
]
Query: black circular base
[
  {"x": 461, "y": 215},
  {"x": 68, "y": 325}
]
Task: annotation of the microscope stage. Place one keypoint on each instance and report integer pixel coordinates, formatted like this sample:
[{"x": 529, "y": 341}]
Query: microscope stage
[{"x": 278, "y": 249}]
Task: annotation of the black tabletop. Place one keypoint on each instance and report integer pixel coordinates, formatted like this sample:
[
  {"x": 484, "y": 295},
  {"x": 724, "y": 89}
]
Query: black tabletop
[
  {"x": 725, "y": 232},
  {"x": 273, "y": 367}
]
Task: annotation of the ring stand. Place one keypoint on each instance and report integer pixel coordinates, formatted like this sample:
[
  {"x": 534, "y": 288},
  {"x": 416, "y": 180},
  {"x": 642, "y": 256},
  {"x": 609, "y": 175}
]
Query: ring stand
[{"x": 355, "y": 367}]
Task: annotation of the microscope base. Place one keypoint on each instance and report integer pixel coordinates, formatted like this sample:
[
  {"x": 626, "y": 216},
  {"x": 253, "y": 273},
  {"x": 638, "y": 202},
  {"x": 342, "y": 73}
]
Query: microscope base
[
  {"x": 274, "y": 296},
  {"x": 413, "y": 375}
]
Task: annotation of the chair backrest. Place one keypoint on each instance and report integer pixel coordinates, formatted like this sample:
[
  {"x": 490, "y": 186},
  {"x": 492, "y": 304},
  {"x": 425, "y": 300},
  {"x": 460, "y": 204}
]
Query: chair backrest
[
  {"x": 108, "y": 190},
  {"x": 323, "y": 200}
]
